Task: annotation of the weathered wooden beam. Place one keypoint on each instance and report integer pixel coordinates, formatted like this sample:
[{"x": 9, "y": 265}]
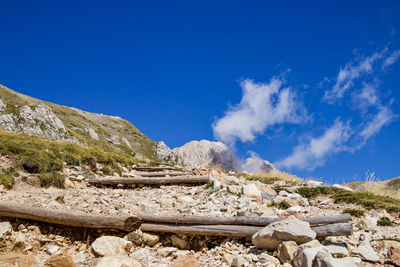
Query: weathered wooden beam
[
  {"x": 240, "y": 220},
  {"x": 74, "y": 219},
  {"x": 152, "y": 181},
  {"x": 158, "y": 168},
  {"x": 161, "y": 174},
  {"x": 238, "y": 230}
]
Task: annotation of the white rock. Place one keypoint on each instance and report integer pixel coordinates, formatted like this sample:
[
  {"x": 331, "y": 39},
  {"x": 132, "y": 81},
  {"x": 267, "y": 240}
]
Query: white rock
[
  {"x": 337, "y": 250},
  {"x": 2, "y": 105},
  {"x": 149, "y": 208},
  {"x": 141, "y": 254},
  {"x": 51, "y": 249},
  {"x": 110, "y": 245},
  {"x": 150, "y": 239},
  {"x": 305, "y": 254},
  {"x": 5, "y": 228},
  {"x": 239, "y": 261},
  {"x": 324, "y": 259},
  {"x": 118, "y": 261},
  {"x": 251, "y": 190},
  {"x": 165, "y": 252},
  {"x": 92, "y": 133},
  {"x": 290, "y": 229},
  {"x": 368, "y": 223},
  {"x": 185, "y": 199},
  {"x": 342, "y": 187},
  {"x": 314, "y": 183},
  {"x": 366, "y": 252}
]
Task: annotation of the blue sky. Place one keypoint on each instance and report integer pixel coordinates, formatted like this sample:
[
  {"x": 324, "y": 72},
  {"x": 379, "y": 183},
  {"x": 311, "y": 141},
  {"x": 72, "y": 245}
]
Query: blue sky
[{"x": 312, "y": 86}]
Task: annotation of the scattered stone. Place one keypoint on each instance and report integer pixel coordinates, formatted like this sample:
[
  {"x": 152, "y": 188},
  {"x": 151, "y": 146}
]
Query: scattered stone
[
  {"x": 179, "y": 242},
  {"x": 149, "y": 208},
  {"x": 51, "y": 249},
  {"x": 305, "y": 254},
  {"x": 251, "y": 190},
  {"x": 110, "y": 245},
  {"x": 337, "y": 249},
  {"x": 290, "y": 229},
  {"x": 235, "y": 189},
  {"x": 186, "y": 261},
  {"x": 325, "y": 259},
  {"x": 165, "y": 252},
  {"x": 185, "y": 199},
  {"x": 286, "y": 250},
  {"x": 150, "y": 239},
  {"x": 59, "y": 260},
  {"x": 239, "y": 261},
  {"x": 268, "y": 190},
  {"x": 368, "y": 223},
  {"x": 5, "y": 228},
  {"x": 268, "y": 260},
  {"x": 118, "y": 261},
  {"x": 291, "y": 202},
  {"x": 366, "y": 252}
]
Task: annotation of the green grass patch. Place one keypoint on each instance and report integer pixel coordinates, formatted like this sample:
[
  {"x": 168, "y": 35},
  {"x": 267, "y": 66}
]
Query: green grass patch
[
  {"x": 365, "y": 199},
  {"x": 51, "y": 179},
  {"x": 384, "y": 222},
  {"x": 354, "y": 212},
  {"x": 6, "y": 180},
  {"x": 282, "y": 206}
]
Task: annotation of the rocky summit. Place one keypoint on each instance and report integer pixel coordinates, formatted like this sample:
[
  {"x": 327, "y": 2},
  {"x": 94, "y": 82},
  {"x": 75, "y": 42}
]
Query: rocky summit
[{"x": 84, "y": 189}]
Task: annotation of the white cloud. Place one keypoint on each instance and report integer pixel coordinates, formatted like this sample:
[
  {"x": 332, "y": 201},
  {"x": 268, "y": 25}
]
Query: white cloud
[
  {"x": 366, "y": 97},
  {"x": 390, "y": 60},
  {"x": 262, "y": 105},
  {"x": 350, "y": 72},
  {"x": 382, "y": 118},
  {"x": 314, "y": 153}
]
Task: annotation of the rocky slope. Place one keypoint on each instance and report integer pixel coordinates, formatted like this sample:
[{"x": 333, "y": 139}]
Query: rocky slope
[{"x": 23, "y": 114}]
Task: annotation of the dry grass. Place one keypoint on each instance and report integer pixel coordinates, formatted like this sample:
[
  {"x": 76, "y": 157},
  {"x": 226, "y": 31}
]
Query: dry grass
[
  {"x": 389, "y": 188},
  {"x": 271, "y": 177}
]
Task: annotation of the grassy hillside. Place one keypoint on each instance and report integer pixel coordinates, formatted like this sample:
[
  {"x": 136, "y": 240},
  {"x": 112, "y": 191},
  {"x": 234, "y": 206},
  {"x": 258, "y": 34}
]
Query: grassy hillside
[{"x": 384, "y": 188}]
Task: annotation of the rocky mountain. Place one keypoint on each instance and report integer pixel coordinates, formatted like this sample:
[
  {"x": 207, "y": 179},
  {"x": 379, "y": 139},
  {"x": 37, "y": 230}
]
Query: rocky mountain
[
  {"x": 204, "y": 152},
  {"x": 23, "y": 114}
]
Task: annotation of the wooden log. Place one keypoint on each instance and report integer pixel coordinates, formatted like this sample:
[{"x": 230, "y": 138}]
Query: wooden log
[
  {"x": 68, "y": 218},
  {"x": 152, "y": 181},
  {"x": 158, "y": 168},
  {"x": 240, "y": 220},
  {"x": 238, "y": 230},
  {"x": 162, "y": 174}
]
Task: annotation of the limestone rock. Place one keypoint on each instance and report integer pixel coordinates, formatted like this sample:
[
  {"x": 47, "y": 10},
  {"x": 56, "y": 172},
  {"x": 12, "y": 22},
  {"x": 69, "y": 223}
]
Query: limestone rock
[
  {"x": 165, "y": 252},
  {"x": 268, "y": 260},
  {"x": 290, "y": 229},
  {"x": 291, "y": 202},
  {"x": 204, "y": 152},
  {"x": 305, "y": 254},
  {"x": 394, "y": 254},
  {"x": 92, "y": 133},
  {"x": 251, "y": 190},
  {"x": 51, "y": 249},
  {"x": 368, "y": 223},
  {"x": 59, "y": 260},
  {"x": 238, "y": 261},
  {"x": 5, "y": 228},
  {"x": 186, "y": 261},
  {"x": 150, "y": 239},
  {"x": 366, "y": 252},
  {"x": 325, "y": 259},
  {"x": 2, "y": 106},
  {"x": 179, "y": 242},
  {"x": 286, "y": 250},
  {"x": 149, "y": 208},
  {"x": 118, "y": 261},
  {"x": 335, "y": 249},
  {"x": 110, "y": 245}
]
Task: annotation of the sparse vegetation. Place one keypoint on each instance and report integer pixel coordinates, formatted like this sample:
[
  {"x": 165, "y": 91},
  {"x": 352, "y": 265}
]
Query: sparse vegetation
[
  {"x": 6, "y": 180},
  {"x": 282, "y": 206},
  {"x": 354, "y": 212},
  {"x": 365, "y": 199},
  {"x": 271, "y": 177},
  {"x": 51, "y": 179},
  {"x": 384, "y": 222}
]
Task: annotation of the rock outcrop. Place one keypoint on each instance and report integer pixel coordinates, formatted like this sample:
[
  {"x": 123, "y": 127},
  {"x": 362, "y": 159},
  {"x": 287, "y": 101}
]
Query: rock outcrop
[{"x": 204, "y": 152}]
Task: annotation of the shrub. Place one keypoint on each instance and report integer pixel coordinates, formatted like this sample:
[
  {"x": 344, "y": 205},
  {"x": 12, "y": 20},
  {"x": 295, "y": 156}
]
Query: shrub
[
  {"x": 51, "y": 179},
  {"x": 354, "y": 212},
  {"x": 107, "y": 170},
  {"x": 282, "y": 206},
  {"x": 6, "y": 180},
  {"x": 384, "y": 222}
]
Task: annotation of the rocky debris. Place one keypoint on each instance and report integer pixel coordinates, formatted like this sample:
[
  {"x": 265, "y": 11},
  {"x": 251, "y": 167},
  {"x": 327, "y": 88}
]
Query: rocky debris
[
  {"x": 110, "y": 245},
  {"x": 51, "y": 249},
  {"x": 179, "y": 242},
  {"x": 37, "y": 121},
  {"x": 164, "y": 153},
  {"x": 118, "y": 261},
  {"x": 306, "y": 253},
  {"x": 150, "y": 239},
  {"x": 186, "y": 261},
  {"x": 366, "y": 252},
  {"x": 2, "y": 106},
  {"x": 323, "y": 259},
  {"x": 290, "y": 229},
  {"x": 239, "y": 261},
  {"x": 251, "y": 190},
  {"x": 165, "y": 252},
  {"x": 204, "y": 152}
]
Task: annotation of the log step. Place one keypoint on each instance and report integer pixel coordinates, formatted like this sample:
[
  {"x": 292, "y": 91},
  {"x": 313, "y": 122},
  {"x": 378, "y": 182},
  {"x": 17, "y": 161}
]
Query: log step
[
  {"x": 159, "y": 168},
  {"x": 152, "y": 181},
  {"x": 161, "y": 174}
]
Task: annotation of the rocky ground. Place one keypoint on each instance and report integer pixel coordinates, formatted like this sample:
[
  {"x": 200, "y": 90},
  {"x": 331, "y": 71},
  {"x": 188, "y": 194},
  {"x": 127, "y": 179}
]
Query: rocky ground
[{"x": 29, "y": 243}]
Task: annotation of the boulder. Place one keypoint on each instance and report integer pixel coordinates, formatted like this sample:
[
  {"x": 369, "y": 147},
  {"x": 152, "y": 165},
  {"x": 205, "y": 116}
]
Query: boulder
[
  {"x": 118, "y": 261},
  {"x": 368, "y": 223},
  {"x": 305, "y": 254},
  {"x": 165, "y": 252},
  {"x": 239, "y": 261},
  {"x": 235, "y": 189},
  {"x": 286, "y": 250},
  {"x": 179, "y": 242},
  {"x": 366, "y": 252},
  {"x": 110, "y": 245},
  {"x": 186, "y": 261},
  {"x": 337, "y": 249},
  {"x": 291, "y": 202},
  {"x": 290, "y": 229}
]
